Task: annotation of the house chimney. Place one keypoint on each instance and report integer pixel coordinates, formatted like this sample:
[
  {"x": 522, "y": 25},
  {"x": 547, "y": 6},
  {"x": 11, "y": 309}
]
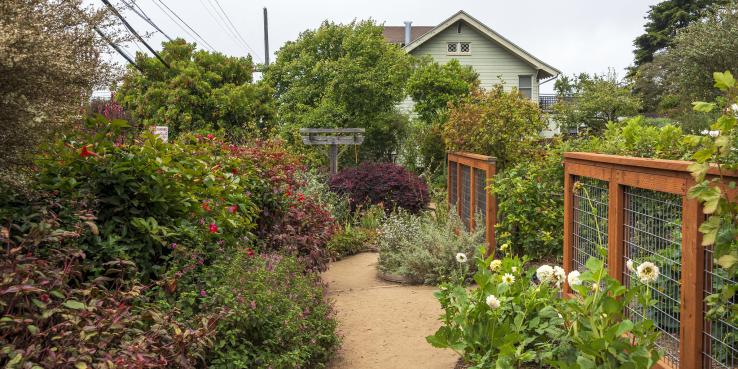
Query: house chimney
[{"x": 408, "y": 33}]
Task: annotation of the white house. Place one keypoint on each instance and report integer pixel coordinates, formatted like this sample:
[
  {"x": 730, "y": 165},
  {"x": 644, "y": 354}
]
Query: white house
[{"x": 471, "y": 42}]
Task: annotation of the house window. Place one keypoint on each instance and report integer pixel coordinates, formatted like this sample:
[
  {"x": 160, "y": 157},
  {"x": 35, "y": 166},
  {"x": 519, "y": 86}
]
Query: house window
[
  {"x": 525, "y": 86},
  {"x": 459, "y": 48}
]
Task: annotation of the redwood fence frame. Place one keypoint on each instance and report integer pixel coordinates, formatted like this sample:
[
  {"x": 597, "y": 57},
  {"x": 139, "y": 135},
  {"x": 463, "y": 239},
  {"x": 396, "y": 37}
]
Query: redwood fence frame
[
  {"x": 669, "y": 176},
  {"x": 474, "y": 162}
]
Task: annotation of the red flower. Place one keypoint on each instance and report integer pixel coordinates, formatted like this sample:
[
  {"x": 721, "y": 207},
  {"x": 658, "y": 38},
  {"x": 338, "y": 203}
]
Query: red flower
[
  {"x": 85, "y": 153},
  {"x": 210, "y": 136},
  {"x": 233, "y": 208},
  {"x": 250, "y": 252},
  {"x": 300, "y": 197},
  {"x": 288, "y": 193},
  {"x": 206, "y": 205},
  {"x": 234, "y": 171},
  {"x": 213, "y": 228}
]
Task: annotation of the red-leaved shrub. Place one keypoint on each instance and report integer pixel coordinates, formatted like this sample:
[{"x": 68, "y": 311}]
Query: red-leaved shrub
[
  {"x": 53, "y": 318},
  {"x": 385, "y": 183}
]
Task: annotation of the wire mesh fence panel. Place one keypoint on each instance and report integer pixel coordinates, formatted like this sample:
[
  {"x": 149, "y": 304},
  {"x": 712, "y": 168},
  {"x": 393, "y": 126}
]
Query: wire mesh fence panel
[
  {"x": 480, "y": 196},
  {"x": 452, "y": 184},
  {"x": 465, "y": 194},
  {"x": 720, "y": 333},
  {"x": 652, "y": 232},
  {"x": 589, "y": 219}
]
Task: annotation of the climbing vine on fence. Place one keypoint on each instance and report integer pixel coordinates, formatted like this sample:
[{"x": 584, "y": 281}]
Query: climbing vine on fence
[{"x": 720, "y": 229}]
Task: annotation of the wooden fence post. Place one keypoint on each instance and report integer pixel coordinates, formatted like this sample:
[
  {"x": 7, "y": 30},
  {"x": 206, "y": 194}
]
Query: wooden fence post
[
  {"x": 568, "y": 222},
  {"x": 615, "y": 225},
  {"x": 692, "y": 290}
]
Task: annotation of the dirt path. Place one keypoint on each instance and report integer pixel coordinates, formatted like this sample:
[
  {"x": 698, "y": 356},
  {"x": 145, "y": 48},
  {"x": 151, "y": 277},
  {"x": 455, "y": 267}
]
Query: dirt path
[{"x": 383, "y": 325}]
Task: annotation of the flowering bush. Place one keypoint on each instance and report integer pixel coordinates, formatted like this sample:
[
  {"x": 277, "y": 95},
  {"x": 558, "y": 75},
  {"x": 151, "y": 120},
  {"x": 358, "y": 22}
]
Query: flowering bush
[
  {"x": 385, "y": 183},
  {"x": 509, "y": 321},
  {"x": 422, "y": 248}
]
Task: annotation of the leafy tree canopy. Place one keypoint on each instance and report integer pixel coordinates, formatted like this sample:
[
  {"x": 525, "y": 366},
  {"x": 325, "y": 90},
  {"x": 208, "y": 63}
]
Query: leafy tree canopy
[
  {"x": 664, "y": 20},
  {"x": 590, "y": 101},
  {"x": 202, "y": 90},
  {"x": 496, "y": 123},
  {"x": 682, "y": 72},
  {"x": 343, "y": 75},
  {"x": 432, "y": 86}
]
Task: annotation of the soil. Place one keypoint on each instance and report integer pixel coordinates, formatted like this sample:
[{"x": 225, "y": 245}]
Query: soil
[{"x": 383, "y": 325}]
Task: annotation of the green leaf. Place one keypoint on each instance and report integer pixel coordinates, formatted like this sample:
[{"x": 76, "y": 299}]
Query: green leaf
[
  {"x": 74, "y": 304},
  {"x": 624, "y": 327},
  {"x": 709, "y": 229},
  {"x": 724, "y": 81},
  {"x": 586, "y": 362},
  {"x": 727, "y": 261},
  {"x": 32, "y": 328},
  {"x": 702, "y": 106}
]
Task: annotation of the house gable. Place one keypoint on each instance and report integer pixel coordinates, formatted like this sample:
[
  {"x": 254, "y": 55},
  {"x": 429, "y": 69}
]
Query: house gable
[
  {"x": 543, "y": 70},
  {"x": 494, "y": 62}
]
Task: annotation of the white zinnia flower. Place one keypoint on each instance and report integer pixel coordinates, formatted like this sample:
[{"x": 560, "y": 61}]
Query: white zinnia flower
[
  {"x": 461, "y": 257},
  {"x": 495, "y": 264},
  {"x": 493, "y": 302},
  {"x": 508, "y": 279},
  {"x": 544, "y": 273},
  {"x": 629, "y": 265},
  {"x": 648, "y": 272},
  {"x": 573, "y": 278}
]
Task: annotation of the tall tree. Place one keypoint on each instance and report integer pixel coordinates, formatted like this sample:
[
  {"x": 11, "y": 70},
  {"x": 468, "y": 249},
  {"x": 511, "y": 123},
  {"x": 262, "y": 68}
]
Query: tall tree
[
  {"x": 50, "y": 60},
  {"x": 434, "y": 86},
  {"x": 343, "y": 75},
  {"x": 589, "y": 102},
  {"x": 664, "y": 20},
  {"x": 202, "y": 90},
  {"x": 682, "y": 72}
]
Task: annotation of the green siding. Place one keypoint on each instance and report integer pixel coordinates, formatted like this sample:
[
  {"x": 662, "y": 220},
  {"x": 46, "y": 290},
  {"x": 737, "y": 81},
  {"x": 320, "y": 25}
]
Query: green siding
[{"x": 488, "y": 58}]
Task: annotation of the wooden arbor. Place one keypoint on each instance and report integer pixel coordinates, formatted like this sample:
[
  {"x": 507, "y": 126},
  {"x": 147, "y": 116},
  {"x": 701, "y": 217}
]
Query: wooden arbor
[{"x": 332, "y": 137}]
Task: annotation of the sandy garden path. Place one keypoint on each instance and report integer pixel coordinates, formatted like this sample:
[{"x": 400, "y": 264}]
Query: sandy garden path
[{"x": 383, "y": 325}]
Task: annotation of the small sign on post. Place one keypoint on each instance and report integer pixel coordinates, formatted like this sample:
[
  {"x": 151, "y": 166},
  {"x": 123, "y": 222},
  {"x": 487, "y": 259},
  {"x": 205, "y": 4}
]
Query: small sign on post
[
  {"x": 162, "y": 132},
  {"x": 332, "y": 137}
]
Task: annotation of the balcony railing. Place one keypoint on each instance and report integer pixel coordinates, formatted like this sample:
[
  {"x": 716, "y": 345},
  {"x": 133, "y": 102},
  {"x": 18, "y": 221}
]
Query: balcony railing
[{"x": 546, "y": 101}]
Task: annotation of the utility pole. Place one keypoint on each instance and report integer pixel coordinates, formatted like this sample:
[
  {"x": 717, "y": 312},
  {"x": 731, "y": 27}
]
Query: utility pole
[{"x": 266, "y": 38}]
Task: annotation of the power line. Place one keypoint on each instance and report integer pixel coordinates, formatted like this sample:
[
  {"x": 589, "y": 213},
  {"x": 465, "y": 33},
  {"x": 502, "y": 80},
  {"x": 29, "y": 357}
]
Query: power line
[
  {"x": 236, "y": 30},
  {"x": 188, "y": 26},
  {"x": 118, "y": 49},
  {"x": 145, "y": 17},
  {"x": 175, "y": 21},
  {"x": 133, "y": 31},
  {"x": 222, "y": 23}
]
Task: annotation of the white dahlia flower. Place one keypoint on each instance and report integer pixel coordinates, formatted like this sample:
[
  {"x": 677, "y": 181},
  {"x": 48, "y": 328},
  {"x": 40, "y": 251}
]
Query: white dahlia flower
[
  {"x": 573, "y": 278},
  {"x": 544, "y": 273},
  {"x": 508, "y": 279},
  {"x": 461, "y": 257},
  {"x": 648, "y": 272},
  {"x": 495, "y": 264},
  {"x": 493, "y": 302}
]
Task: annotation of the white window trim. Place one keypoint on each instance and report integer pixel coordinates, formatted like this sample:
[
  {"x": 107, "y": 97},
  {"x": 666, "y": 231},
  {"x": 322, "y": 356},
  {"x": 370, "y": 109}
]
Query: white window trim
[
  {"x": 527, "y": 88},
  {"x": 458, "y": 48}
]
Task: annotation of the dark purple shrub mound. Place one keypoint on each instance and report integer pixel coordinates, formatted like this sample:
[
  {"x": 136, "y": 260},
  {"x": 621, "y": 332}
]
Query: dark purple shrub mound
[{"x": 386, "y": 183}]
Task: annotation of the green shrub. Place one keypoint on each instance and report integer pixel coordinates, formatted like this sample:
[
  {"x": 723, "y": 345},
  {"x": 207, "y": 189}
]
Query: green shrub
[
  {"x": 279, "y": 316},
  {"x": 351, "y": 240},
  {"x": 422, "y": 248},
  {"x": 530, "y": 205}
]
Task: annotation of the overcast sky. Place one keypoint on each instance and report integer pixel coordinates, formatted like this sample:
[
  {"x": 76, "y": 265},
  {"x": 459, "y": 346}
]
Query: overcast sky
[{"x": 572, "y": 35}]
